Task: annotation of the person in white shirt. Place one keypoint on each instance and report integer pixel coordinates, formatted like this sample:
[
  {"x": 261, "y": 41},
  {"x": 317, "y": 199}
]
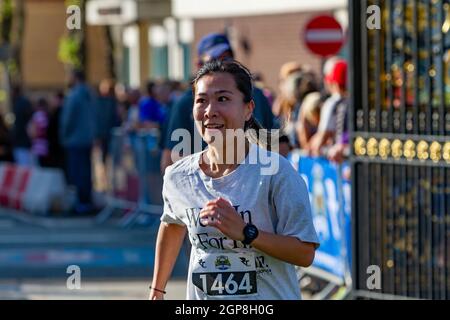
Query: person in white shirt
[
  {"x": 248, "y": 226},
  {"x": 336, "y": 84}
]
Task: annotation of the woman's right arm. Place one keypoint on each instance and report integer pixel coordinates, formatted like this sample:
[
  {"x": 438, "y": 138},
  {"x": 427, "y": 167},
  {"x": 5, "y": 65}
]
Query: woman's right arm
[{"x": 168, "y": 244}]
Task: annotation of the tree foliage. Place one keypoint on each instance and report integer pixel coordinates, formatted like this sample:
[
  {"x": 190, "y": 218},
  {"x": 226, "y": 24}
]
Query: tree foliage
[{"x": 71, "y": 49}]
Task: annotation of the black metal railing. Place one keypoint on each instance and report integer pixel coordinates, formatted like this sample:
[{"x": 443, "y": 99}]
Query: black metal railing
[{"x": 400, "y": 131}]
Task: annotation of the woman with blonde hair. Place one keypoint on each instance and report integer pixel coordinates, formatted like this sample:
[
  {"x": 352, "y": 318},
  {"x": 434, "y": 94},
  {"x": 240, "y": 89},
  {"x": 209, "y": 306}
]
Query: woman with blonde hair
[
  {"x": 308, "y": 120},
  {"x": 293, "y": 89}
]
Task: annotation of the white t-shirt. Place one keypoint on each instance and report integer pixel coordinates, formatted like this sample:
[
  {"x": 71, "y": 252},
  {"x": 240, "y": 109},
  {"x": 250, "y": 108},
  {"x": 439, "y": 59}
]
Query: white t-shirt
[
  {"x": 221, "y": 268},
  {"x": 328, "y": 115}
]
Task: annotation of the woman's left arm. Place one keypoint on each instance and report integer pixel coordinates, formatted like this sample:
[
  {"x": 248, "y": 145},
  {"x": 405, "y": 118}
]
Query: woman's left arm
[{"x": 220, "y": 214}]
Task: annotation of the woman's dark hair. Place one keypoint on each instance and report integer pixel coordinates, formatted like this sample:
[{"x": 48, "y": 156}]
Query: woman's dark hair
[
  {"x": 150, "y": 88},
  {"x": 240, "y": 74},
  {"x": 79, "y": 75},
  {"x": 42, "y": 103},
  {"x": 243, "y": 79}
]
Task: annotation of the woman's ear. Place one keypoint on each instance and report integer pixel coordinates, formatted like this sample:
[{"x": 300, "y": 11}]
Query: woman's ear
[{"x": 249, "y": 110}]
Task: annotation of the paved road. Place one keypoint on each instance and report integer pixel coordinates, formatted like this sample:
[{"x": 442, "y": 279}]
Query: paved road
[
  {"x": 90, "y": 290},
  {"x": 115, "y": 262}
]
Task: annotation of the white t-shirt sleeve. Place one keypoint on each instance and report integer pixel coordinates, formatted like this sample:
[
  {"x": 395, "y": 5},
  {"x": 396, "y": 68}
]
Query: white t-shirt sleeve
[
  {"x": 170, "y": 214},
  {"x": 291, "y": 203}
]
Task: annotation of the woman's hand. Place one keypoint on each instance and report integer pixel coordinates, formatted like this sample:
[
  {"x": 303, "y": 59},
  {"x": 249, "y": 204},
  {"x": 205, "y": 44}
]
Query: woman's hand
[
  {"x": 336, "y": 153},
  {"x": 168, "y": 243},
  {"x": 220, "y": 214},
  {"x": 155, "y": 295}
]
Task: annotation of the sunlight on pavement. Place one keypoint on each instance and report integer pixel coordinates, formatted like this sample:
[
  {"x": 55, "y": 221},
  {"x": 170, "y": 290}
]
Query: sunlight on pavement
[{"x": 91, "y": 290}]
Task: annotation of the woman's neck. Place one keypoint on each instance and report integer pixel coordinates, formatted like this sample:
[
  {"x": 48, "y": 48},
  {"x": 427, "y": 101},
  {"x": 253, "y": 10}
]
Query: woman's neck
[{"x": 220, "y": 162}]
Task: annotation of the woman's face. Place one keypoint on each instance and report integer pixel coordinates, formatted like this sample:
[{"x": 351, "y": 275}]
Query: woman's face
[{"x": 219, "y": 106}]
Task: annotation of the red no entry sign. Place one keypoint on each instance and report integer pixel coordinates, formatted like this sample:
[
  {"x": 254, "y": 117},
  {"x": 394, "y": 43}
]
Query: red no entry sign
[{"x": 324, "y": 36}]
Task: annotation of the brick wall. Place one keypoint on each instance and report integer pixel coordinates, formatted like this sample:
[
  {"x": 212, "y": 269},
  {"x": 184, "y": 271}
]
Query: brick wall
[
  {"x": 45, "y": 24},
  {"x": 96, "y": 62}
]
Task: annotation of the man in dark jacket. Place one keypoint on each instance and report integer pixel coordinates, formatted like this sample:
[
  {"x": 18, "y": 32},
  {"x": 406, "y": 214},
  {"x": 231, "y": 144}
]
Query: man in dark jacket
[
  {"x": 77, "y": 134},
  {"x": 106, "y": 116},
  {"x": 22, "y": 113}
]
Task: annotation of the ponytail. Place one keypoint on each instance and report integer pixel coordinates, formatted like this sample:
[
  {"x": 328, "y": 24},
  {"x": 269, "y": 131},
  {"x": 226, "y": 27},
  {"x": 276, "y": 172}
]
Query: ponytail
[{"x": 257, "y": 134}]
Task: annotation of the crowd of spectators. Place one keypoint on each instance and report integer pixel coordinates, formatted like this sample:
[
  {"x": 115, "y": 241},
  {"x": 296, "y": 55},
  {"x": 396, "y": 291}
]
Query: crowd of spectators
[{"x": 61, "y": 130}]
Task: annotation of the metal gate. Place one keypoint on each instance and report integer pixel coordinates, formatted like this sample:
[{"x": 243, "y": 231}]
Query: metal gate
[{"x": 400, "y": 131}]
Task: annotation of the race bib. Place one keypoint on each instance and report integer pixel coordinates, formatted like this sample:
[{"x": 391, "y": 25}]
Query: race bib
[{"x": 228, "y": 274}]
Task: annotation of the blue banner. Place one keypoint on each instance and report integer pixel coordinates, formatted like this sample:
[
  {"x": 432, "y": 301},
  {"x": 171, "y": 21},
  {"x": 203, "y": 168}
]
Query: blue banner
[{"x": 330, "y": 197}]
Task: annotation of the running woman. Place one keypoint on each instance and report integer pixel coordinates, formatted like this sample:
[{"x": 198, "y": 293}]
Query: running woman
[{"x": 248, "y": 229}]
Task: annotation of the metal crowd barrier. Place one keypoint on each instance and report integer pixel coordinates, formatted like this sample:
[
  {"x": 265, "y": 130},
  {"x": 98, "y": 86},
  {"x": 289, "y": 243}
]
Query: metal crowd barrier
[{"x": 135, "y": 180}]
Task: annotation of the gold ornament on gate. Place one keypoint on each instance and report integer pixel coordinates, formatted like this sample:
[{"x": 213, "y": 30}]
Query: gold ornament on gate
[
  {"x": 435, "y": 151},
  {"x": 422, "y": 150},
  {"x": 360, "y": 146},
  {"x": 409, "y": 149},
  {"x": 384, "y": 148},
  {"x": 446, "y": 152},
  {"x": 397, "y": 149},
  {"x": 372, "y": 147}
]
